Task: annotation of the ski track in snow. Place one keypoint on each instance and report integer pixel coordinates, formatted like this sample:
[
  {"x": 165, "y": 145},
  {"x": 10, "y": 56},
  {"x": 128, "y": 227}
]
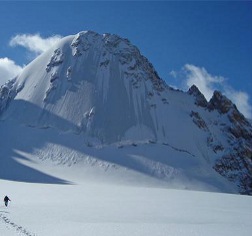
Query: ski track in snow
[{"x": 13, "y": 226}]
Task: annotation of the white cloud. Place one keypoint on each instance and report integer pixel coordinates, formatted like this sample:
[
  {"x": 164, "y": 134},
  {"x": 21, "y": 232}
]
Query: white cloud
[
  {"x": 208, "y": 83},
  {"x": 8, "y": 70},
  {"x": 34, "y": 43}
]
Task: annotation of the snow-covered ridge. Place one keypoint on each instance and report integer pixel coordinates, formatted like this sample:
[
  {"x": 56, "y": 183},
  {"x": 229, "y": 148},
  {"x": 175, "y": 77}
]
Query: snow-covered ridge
[{"x": 102, "y": 89}]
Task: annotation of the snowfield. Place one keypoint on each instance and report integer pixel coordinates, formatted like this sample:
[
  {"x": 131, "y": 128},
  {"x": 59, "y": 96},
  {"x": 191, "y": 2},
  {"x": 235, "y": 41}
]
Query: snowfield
[
  {"x": 107, "y": 209},
  {"x": 53, "y": 193}
]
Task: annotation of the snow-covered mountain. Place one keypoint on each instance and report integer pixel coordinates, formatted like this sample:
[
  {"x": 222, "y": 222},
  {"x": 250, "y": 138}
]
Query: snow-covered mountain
[{"x": 100, "y": 91}]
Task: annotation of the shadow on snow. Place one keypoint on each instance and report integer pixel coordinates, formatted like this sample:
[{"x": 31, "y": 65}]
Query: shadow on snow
[{"x": 26, "y": 140}]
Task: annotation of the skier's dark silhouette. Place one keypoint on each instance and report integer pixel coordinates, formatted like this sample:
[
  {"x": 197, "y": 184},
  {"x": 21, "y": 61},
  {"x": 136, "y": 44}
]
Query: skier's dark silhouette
[{"x": 6, "y": 200}]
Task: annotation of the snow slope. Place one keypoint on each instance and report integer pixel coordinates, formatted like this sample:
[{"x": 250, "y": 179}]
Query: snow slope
[{"x": 95, "y": 208}]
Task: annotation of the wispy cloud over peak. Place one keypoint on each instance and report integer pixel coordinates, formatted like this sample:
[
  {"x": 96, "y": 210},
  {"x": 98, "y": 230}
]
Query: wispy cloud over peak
[{"x": 34, "y": 43}]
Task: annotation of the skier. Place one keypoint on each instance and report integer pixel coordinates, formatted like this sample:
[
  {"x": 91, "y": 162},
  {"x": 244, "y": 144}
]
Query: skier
[{"x": 6, "y": 200}]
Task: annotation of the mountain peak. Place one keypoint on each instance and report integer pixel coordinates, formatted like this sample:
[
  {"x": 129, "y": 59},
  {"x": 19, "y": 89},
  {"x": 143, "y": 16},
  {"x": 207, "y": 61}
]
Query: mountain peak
[
  {"x": 101, "y": 88},
  {"x": 88, "y": 72},
  {"x": 200, "y": 100},
  {"x": 220, "y": 103},
  {"x": 127, "y": 54},
  {"x": 110, "y": 42}
]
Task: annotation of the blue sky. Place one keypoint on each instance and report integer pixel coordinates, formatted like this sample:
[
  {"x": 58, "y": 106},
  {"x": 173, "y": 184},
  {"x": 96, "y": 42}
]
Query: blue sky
[{"x": 206, "y": 43}]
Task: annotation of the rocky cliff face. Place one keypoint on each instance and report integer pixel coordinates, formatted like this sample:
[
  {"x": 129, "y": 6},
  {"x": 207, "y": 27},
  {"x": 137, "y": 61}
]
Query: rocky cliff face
[
  {"x": 236, "y": 164},
  {"x": 234, "y": 161},
  {"x": 200, "y": 100}
]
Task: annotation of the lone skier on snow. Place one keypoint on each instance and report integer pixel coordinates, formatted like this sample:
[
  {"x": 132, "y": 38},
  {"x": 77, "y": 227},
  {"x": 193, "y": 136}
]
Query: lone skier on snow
[{"x": 6, "y": 200}]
